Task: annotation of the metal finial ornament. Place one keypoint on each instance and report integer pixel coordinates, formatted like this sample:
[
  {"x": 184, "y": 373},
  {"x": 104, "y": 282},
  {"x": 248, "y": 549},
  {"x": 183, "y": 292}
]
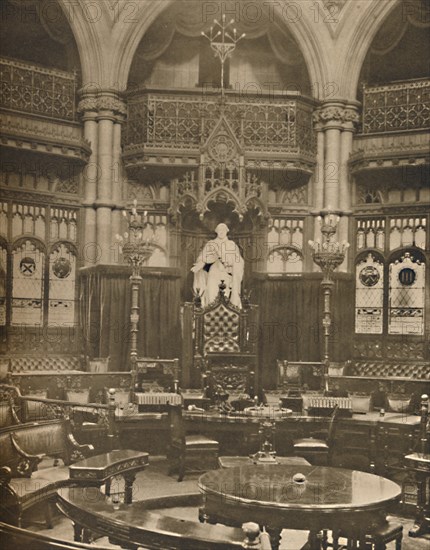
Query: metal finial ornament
[{"x": 223, "y": 38}]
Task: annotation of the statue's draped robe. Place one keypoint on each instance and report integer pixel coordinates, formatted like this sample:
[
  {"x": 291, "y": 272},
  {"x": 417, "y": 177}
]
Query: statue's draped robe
[{"x": 220, "y": 260}]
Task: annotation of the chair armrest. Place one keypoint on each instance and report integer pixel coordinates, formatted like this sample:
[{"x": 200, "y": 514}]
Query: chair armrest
[
  {"x": 14, "y": 415},
  {"x": 28, "y": 463},
  {"x": 21, "y": 451},
  {"x": 9, "y": 499},
  {"x": 5, "y": 475},
  {"x": 78, "y": 451}
]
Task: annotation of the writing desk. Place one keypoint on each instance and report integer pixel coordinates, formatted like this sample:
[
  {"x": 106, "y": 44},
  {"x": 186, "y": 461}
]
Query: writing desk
[
  {"x": 97, "y": 470},
  {"x": 377, "y": 440}
]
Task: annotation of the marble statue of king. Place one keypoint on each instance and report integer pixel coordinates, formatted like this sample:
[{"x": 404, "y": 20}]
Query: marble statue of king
[{"x": 219, "y": 260}]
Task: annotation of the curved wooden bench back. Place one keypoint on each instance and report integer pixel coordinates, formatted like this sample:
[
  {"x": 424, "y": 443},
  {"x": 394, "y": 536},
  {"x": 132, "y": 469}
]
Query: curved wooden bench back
[
  {"x": 24, "y": 445},
  {"x": 13, "y": 538}
]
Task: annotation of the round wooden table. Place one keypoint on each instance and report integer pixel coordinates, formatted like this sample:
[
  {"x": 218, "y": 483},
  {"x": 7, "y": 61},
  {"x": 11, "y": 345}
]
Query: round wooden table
[{"x": 345, "y": 501}]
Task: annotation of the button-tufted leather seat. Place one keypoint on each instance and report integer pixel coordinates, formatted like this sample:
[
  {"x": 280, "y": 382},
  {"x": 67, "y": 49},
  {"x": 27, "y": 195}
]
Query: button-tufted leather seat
[
  {"x": 420, "y": 371},
  {"x": 31, "y": 363}
]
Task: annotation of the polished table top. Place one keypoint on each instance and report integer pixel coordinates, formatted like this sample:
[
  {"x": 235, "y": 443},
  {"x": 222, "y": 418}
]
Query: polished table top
[
  {"x": 373, "y": 417},
  {"x": 330, "y": 498},
  {"x": 134, "y": 525},
  {"x": 324, "y": 487}
]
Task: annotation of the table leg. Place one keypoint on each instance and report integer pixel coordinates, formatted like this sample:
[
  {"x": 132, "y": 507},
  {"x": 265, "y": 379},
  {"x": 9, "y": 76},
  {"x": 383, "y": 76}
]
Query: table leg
[
  {"x": 77, "y": 532},
  {"x": 335, "y": 535},
  {"x": 128, "y": 490},
  {"x": 324, "y": 539},
  {"x": 314, "y": 540},
  {"x": 422, "y": 520},
  {"x": 206, "y": 518},
  {"x": 372, "y": 450},
  {"x": 362, "y": 541},
  {"x": 275, "y": 537},
  {"x": 87, "y": 536}
]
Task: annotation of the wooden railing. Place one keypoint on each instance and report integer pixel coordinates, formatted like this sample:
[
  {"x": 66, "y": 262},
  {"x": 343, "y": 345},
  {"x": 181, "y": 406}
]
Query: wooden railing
[
  {"x": 396, "y": 107},
  {"x": 38, "y": 90}
]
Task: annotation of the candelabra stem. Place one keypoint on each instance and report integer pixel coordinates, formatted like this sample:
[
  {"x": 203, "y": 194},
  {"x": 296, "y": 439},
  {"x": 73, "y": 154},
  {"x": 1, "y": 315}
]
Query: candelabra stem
[
  {"x": 327, "y": 287},
  {"x": 136, "y": 281},
  {"x": 328, "y": 255}
]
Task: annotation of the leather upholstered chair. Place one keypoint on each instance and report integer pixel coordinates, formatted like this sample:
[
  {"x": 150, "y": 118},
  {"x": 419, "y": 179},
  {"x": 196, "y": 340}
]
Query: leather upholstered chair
[
  {"x": 188, "y": 451},
  {"x": 315, "y": 449}
]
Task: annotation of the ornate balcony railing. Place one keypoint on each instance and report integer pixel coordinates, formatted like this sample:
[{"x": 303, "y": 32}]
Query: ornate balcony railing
[
  {"x": 33, "y": 89},
  {"x": 396, "y": 107},
  {"x": 183, "y": 121}
]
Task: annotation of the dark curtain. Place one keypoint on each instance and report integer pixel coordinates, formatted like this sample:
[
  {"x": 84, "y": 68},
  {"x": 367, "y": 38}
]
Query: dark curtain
[
  {"x": 290, "y": 321},
  {"x": 105, "y": 315}
]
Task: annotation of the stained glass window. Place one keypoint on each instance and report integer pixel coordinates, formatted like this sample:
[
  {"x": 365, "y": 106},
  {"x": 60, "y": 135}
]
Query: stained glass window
[
  {"x": 406, "y": 296},
  {"x": 62, "y": 278},
  {"x": 369, "y": 295}
]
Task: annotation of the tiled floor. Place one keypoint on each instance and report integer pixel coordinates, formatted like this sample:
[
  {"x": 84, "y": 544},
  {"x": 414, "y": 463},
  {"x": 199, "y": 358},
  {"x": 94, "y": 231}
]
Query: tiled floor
[{"x": 155, "y": 482}]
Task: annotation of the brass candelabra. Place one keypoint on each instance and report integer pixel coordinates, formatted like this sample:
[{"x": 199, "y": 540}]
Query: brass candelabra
[
  {"x": 328, "y": 254},
  {"x": 136, "y": 250}
]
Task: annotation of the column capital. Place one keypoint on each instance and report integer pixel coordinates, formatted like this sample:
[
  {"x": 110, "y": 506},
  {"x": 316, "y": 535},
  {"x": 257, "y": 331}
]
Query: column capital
[
  {"x": 103, "y": 104},
  {"x": 337, "y": 114}
]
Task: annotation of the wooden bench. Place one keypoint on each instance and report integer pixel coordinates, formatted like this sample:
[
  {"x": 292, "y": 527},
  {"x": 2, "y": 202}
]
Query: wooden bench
[
  {"x": 25, "y": 445},
  {"x": 24, "y": 479},
  {"x": 13, "y": 537}
]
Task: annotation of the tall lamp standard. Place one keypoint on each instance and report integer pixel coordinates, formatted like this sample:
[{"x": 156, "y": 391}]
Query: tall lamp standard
[
  {"x": 328, "y": 254},
  {"x": 136, "y": 250}
]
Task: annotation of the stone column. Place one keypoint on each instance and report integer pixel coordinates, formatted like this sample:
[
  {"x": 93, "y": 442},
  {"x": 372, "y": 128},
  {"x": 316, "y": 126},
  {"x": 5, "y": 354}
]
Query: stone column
[
  {"x": 102, "y": 113},
  {"x": 109, "y": 107},
  {"x": 88, "y": 108},
  {"x": 104, "y": 202},
  {"x": 318, "y": 187},
  {"x": 335, "y": 121},
  {"x": 350, "y": 120},
  {"x": 117, "y": 184}
]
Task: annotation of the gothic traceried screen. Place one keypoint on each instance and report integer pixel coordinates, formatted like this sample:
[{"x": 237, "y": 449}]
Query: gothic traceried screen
[
  {"x": 27, "y": 291},
  {"x": 3, "y": 276}
]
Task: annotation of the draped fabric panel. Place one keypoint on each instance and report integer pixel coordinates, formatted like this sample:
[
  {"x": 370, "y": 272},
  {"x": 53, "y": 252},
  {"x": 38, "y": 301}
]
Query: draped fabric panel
[
  {"x": 105, "y": 297},
  {"x": 290, "y": 322},
  {"x": 190, "y": 18}
]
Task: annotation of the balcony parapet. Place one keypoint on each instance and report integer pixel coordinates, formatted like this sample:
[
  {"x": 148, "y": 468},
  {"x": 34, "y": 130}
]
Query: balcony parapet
[
  {"x": 30, "y": 132},
  {"x": 34, "y": 89},
  {"x": 388, "y": 150},
  {"x": 162, "y": 125},
  {"x": 396, "y": 107}
]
